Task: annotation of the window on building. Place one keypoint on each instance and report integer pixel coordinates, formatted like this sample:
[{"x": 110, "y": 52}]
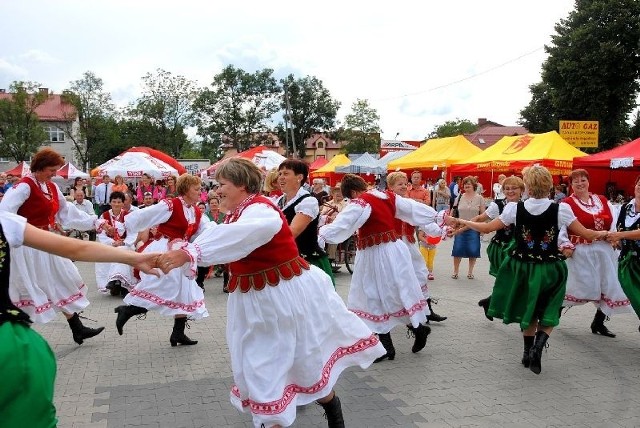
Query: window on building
[
  {"x": 56, "y": 135},
  {"x": 320, "y": 145},
  {"x": 4, "y": 160}
]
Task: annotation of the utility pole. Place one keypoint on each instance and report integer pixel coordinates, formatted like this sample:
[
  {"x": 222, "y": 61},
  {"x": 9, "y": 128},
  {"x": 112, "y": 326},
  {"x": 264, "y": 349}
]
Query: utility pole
[
  {"x": 287, "y": 116},
  {"x": 286, "y": 121}
]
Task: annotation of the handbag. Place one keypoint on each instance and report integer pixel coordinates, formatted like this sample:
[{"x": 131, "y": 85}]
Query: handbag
[{"x": 454, "y": 209}]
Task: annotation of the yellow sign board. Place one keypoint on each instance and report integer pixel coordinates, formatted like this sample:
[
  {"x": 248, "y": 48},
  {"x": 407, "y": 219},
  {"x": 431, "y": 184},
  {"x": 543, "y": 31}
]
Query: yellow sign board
[{"x": 580, "y": 133}]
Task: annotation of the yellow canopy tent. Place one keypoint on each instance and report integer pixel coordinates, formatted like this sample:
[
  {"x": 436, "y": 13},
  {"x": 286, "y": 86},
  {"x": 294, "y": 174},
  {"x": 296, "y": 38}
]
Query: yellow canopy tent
[
  {"x": 437, "y": 153},
  {"x": 511, "y": 154},
  {"x": 328, "y": 171}
]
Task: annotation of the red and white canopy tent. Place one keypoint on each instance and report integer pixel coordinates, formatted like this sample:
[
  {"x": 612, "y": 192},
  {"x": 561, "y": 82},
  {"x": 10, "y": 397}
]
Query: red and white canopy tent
[
  {"x": 617, "y": 168},
  {"x": 136, "y": 161},
  {"x": 264, "y": 158},
  {"x": 19, "y": 170},
  {"x": 70, "y": 172}
]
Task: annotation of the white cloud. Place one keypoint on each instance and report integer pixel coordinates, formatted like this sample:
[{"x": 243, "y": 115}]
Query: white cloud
[{"x": 38, "y": 56}]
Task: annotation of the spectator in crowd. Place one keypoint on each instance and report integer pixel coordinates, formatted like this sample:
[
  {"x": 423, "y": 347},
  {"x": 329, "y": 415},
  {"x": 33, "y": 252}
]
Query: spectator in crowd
[
  {"x": 271, "y": 187},
  {"x": 147, "y": 200},
  {"x": 454, "y": 189},
  {"x": 89, "y": 189},
  {"x": 128, "y": 202},
  {"x": 3, "y": 182},
  {"x": 119, "y": 185},
  {"x": 77, "y": 185},
  {"x": 416, "y": 191},
  {"x": 466, "y": 244},
  {"x": 171, "y": 191},
  {"x": 441, "y": 196},
  {"x": 85, "y": 206},
  {"x": 559, "y": 194},
  {"x": 102, "y": 194},
  {"x": 159, "y": 192},
  {"x": 497, "y": 187},
  {"x": 479, "y": 187},
  {"x": 317, "y": 191},
  {"x": 146, "y": 185}
]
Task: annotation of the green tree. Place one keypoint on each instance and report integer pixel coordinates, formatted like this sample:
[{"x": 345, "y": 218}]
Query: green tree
[
  {"x": 634, "y": 131},
  {"x": 93, "y": 106},
  {"x": 310, "y": 109},
  {"x": 238, "y": 106},
  {"x": 592, "y": 71},
  {"x": 361, "y": 129},
  {"x": 166, "y": 104},
  {"x": 21, "y": 133},
  {"x": 451, "y": 128}
]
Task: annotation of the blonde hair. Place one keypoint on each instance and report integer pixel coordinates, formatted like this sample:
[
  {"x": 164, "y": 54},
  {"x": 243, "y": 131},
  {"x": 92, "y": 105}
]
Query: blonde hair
[
  {"x": 513, "y": 181},
  {"x": 538, "y": 181},
  {"x": 394, "y": 177},
  {"x": 269, "y": 179},
  {"x": 185, "y": 181}
]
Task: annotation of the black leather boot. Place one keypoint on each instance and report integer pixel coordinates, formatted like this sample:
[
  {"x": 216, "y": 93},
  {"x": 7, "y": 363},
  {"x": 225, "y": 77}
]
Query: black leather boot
[
  {"x": 385, "y": 339},
  {"x": 421, "y": 332},
  {"x": 484, "y": 304},
  {"x": 535, "y": 354},
  {"x": 528, "y": 343},
  {"x": 432, "y": 315},
  {"x": 597, "y": 326},
  {"x": 333, "y": 411},
  {"x": 80, "y": 332},
  {"x": 124, "y": 313},
  {"x": 177, "y": 335}
]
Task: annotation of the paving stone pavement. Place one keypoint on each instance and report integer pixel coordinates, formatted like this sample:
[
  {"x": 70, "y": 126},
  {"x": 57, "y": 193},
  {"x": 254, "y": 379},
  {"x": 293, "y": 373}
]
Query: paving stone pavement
[{"x": 468, "y": 375}]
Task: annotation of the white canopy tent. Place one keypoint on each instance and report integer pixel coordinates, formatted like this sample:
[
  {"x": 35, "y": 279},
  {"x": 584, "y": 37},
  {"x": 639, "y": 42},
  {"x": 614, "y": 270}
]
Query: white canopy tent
[
  {"x": 365, "y": 164},
  {"x": 134, "y": 164}
]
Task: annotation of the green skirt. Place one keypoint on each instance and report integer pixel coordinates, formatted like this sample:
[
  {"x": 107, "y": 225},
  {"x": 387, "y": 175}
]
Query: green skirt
[
  {"x": 28, "y": 369},
  {"x": 629, "y": 277},
  {"x": 526, "y": 292},
  {"x": 497, "y": 252},
  {"x": 323, "y": 263}
]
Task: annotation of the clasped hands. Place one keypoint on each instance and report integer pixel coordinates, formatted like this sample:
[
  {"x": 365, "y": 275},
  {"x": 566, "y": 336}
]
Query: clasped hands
[{"x": 171, "y": 260}]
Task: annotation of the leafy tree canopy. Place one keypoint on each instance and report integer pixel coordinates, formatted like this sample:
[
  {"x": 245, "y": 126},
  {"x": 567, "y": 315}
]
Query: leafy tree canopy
[
  {"x": 361, "y": 129},
  {"x": 592, "y": 72},
  {"x": 21, "y": 133},
  {"x": 451, "y": 128}
]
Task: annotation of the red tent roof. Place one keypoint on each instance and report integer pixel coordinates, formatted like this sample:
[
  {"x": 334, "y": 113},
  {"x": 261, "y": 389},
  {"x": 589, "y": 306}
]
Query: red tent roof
[
  {"x": 18, "y": 169},
  {"x": 160, "y": 155},
  {"x": 604, "y": 159},
  {"x": 318, "y": 163}
]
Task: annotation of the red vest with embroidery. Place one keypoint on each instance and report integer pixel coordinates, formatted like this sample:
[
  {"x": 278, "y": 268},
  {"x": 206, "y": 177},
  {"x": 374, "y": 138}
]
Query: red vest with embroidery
[
  {"x": 107, "y": 216},
  {"x": 178, "y": 227},
  {"x": 599, "y": 221},
  {"x": 38, "y": 209},
  {"x": 405, "y": 230},
  {"x": 380, "y": 227},
  {"x": 275, "y": 260}
]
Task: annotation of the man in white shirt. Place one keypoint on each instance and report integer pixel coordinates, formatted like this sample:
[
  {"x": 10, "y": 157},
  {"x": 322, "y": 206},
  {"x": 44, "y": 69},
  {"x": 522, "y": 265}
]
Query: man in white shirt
[
  {"x": 128, "y": 199},
  {"x": 102, "y": 193},
  {"x": 85, "y": 206},
  {"x": 497, "y": 187}
]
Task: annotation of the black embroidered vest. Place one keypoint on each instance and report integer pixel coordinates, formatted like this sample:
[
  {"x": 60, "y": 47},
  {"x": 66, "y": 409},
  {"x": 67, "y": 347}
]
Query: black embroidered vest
[
  {"x": 307, "y": 241},
  {"x": 536, "y": 236},
  {"x": 628, "y": 245},
  {"x": 502, "y": 236},
  {"x": 8, "y": 312}
]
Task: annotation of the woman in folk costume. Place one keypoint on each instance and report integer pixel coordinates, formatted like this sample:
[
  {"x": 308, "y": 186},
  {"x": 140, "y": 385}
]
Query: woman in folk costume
[
  {"x": 397, "y": 182},
  {"x": 384, "y": 290},
  {"x": 593, "y": 266},
  {"x": 178, "y": 221},
  {"x": 498, "y": 249},
  {"x": 530, "y": 285},
  {"x": 302, "y": 211},
  {"x": 27, "y": 364},
  {"x": 288, "y": 331},
  {"x": 41, "y": 283},
  {"x": 627, "y": 238},
  {"x": 116, "y": 278}
]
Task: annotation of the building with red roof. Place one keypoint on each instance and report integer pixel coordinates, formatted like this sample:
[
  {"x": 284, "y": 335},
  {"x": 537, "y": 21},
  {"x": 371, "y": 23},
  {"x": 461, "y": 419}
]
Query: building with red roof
[
  {"x": 59, "y": 120},
  {"x": 490, "y": 132}
]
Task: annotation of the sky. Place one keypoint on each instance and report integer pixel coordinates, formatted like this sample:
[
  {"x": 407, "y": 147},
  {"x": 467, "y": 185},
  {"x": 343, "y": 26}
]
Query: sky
[{"x": 418, "y": 63}]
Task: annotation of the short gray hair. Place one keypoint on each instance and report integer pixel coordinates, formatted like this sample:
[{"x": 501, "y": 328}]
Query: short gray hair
[{"x": 241, "y": 172}]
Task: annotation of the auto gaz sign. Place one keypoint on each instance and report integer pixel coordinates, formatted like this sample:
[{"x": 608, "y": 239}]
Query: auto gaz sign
[{"x": 580, "y": 133}]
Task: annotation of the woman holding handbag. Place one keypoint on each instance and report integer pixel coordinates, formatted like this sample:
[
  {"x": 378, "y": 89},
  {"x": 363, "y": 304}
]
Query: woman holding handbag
[{"x": 466, "y": 243}]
